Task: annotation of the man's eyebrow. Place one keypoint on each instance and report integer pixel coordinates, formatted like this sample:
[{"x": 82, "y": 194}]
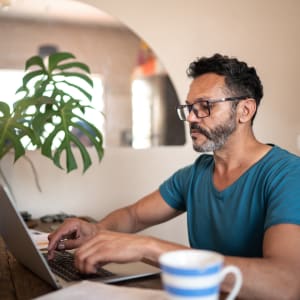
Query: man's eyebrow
[{"x": 197, "y": 99}]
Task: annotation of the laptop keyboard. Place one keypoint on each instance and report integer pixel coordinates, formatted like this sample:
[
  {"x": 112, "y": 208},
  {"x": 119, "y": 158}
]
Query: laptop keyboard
[{"x": 63, "y": 265}]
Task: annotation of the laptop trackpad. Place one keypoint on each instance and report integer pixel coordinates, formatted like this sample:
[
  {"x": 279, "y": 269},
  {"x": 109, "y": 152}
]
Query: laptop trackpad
[{"x": 129, "y": 271}]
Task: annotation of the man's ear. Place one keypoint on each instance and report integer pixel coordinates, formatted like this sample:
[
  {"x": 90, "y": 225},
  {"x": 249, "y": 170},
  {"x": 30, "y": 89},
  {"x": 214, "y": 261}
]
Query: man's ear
[{"x": 246, "y": 110}]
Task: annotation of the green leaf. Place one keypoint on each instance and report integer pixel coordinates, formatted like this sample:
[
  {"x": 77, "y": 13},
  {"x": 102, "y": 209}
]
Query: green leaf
[
  {"x": 40, "y": 120},
  {"x": 56, "y": 58},
  {"x": 66, "y": 115},
  {"x": 71, "y": 162},
  {"x": 23, "y": 104},
  {"x": 23, "y": 89},
  {"x": 56, "y": 157},
  {"x": 70, "y": 65},
  {"x": 88, "y": 95},
  {"x": 84, "y": 153},
  {"x": 11, "y": 132},
  {"x": 93, "y": 134},
  {"x": 32, "y": 75},
  {"x": 18, "y": 147},
  {"x": 46, "y": 147},
  {"x": 84, "y": 77},
  {"x": 4, "y": 108},
  {"x": 51, "y": 103},
  {"x": 70, "y": 159},
  {"x": 35, "y": 61}
]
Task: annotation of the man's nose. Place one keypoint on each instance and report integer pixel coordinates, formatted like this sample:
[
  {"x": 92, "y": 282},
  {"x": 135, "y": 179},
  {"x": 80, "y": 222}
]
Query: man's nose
[{"x": 192, "y": 116}]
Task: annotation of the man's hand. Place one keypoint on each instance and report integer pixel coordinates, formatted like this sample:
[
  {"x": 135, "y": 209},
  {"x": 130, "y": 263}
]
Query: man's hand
[
  {"x": 108, "y": 246},
  {"x": 71, "y": 234}
]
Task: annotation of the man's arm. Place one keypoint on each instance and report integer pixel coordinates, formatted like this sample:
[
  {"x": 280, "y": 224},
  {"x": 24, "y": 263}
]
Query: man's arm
[
  {"x": 146, "y": 212},
  {"x": 277, "y": 274},
  {"x": 115, "y": 242}
]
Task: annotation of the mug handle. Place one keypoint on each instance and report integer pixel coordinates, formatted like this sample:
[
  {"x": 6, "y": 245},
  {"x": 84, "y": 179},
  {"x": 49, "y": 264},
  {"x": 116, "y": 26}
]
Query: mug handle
[{"x": 238, "y": 280}]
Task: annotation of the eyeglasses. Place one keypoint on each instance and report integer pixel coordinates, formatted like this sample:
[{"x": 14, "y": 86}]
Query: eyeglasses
[{"x": 202, "y": 107}]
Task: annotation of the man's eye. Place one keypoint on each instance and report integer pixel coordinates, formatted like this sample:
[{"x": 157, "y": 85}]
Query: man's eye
[{"x": 203, "y": 105}]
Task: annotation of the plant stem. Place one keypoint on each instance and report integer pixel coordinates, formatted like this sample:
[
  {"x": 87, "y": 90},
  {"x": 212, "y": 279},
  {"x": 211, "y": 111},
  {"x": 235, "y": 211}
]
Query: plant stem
[{"x": 35, "y": 175}]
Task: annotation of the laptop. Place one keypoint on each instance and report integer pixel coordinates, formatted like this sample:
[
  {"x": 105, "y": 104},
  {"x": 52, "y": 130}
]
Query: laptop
[{"x": 21, "y": 244}]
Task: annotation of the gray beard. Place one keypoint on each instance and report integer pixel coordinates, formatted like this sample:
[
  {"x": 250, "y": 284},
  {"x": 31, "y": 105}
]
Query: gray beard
[{"x": 216, "y": 138}]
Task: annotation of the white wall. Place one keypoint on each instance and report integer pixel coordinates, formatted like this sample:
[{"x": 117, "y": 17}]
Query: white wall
[{"x": 264, "y": 33}]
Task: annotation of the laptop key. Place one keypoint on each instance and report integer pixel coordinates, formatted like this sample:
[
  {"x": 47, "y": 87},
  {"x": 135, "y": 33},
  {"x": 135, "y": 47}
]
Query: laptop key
[{"x": 63, "y": 265}]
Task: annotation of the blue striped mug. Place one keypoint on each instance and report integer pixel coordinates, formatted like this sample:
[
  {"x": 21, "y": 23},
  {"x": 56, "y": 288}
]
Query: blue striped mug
[{"x": 196, "y": 275}]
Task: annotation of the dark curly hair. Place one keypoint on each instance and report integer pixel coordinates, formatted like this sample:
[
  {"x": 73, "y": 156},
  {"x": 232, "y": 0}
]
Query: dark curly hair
[{"x": 240, "y": 79}]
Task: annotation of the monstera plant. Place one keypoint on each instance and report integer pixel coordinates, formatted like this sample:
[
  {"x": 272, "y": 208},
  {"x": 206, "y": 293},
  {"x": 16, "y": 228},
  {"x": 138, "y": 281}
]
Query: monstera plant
[{"x": 52, "y": 103}]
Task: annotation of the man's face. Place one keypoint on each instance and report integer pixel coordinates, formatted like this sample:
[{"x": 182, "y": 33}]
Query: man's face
[{"x": 211, "y": 133}]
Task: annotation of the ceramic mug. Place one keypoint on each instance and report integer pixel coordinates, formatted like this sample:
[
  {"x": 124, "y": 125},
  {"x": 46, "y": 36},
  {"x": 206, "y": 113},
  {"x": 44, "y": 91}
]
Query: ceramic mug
[{"x": 196, "y": 275}]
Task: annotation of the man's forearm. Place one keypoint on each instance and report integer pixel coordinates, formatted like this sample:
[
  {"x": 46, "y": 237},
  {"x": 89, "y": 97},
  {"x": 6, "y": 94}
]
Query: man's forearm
[
  {"x": 121, "y": 220},
  {"x": 265, "y": 278},
  {"x": 148, "y": 211}
]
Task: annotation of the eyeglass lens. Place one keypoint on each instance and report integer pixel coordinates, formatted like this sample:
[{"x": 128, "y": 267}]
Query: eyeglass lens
[{"x": 200, "y": 109}]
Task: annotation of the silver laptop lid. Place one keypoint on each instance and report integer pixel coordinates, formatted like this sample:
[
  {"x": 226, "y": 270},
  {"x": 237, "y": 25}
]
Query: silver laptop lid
[{"x": 18, "y": 240}]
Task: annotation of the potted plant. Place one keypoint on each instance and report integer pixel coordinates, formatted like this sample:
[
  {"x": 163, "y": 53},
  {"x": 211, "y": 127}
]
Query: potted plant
[{"x": 50, "y": 107}]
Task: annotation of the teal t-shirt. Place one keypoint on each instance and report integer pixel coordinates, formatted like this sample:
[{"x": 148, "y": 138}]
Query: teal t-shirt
[{"x": 233, "y": 221}]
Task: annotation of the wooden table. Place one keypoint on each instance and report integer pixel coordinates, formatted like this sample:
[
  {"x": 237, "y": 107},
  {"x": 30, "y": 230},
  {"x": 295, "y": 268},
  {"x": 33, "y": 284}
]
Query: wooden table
[{"x": 19, "y": 283}]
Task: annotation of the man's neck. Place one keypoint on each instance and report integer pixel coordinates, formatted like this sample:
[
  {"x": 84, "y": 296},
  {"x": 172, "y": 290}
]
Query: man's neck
[{"x": 237, "y": 156}]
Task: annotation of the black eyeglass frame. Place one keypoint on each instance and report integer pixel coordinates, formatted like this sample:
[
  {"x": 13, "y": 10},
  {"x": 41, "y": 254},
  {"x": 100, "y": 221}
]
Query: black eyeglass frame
[{"x": 180, "y": 108}]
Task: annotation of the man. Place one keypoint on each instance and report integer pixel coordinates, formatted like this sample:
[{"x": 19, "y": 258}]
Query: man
[{"x": 243, "y": 201}]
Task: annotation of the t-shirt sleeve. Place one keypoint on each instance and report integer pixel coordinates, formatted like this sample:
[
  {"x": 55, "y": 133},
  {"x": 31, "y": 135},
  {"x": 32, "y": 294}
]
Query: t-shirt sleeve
[
  {"x": 174, "y": 189},
  {"x": 284, "y": 195}
]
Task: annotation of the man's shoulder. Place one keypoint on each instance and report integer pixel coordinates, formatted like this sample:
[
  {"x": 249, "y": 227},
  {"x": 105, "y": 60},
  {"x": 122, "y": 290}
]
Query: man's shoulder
[
  {"x": 283, "y": 156},
  {"x": 280, "y": 163}
]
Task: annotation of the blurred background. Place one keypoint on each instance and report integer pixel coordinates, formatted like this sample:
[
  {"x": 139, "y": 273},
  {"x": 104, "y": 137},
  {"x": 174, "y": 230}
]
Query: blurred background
[{"x": 138, "y": 51}]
